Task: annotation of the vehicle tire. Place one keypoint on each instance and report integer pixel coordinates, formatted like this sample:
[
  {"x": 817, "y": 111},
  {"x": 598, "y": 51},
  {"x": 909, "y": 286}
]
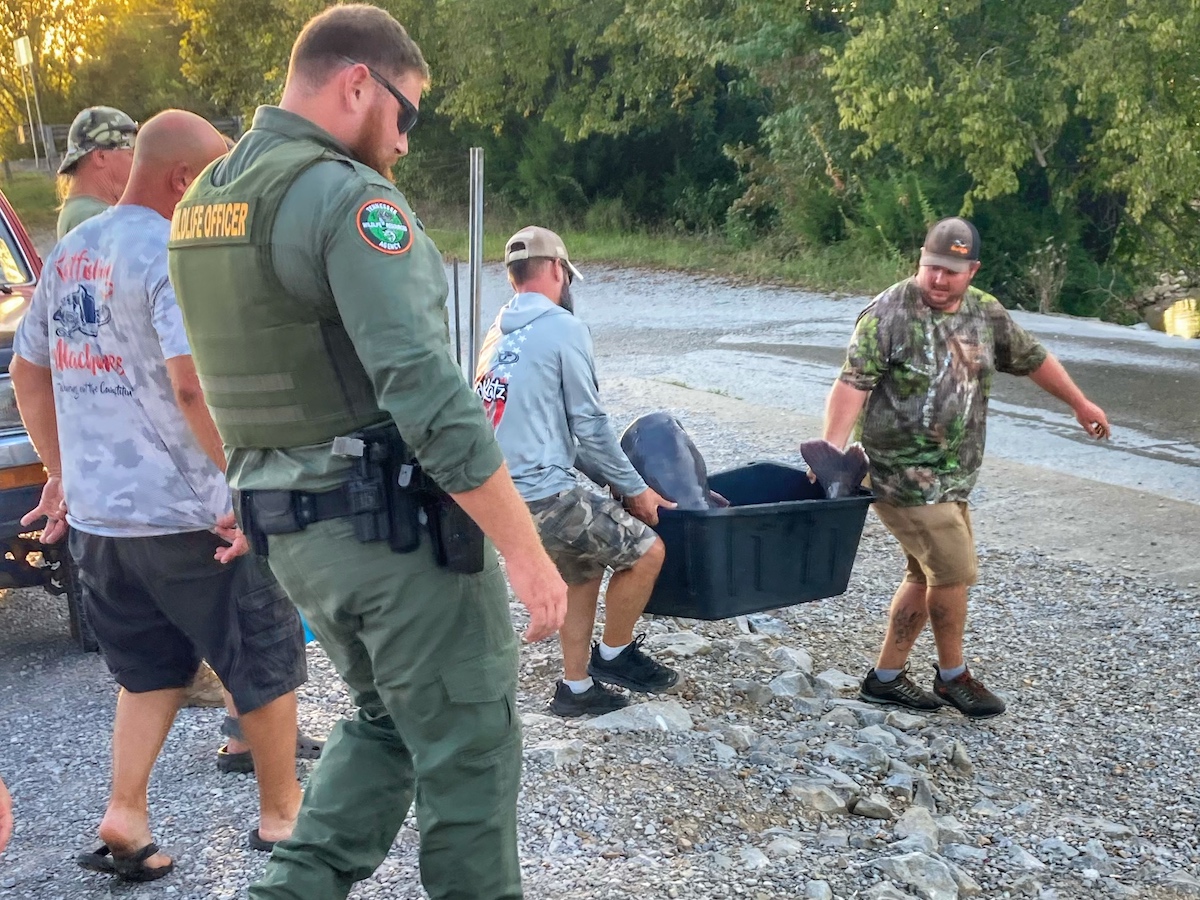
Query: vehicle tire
[{"x": 65, "y": 581}]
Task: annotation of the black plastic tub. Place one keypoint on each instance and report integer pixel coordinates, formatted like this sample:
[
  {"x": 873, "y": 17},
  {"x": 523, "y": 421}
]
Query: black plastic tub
[{"x": 779, "y": 543}]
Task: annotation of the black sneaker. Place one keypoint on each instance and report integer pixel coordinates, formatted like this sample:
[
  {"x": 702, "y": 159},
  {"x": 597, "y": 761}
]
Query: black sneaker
[
  {"x": 968, "y": 695},
  {"x": 595, "y": 701},
  {"x": 632, "y": 669},
  {"x": 902, "y": 691}
]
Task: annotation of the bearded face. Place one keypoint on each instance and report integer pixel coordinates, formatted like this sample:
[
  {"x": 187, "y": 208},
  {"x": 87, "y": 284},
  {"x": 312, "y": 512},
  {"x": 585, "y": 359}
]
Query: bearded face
[
  {"x": 942, "y": 289},
  {"x": 565, "y": 300},
  {"x": 375, "y": 145}
]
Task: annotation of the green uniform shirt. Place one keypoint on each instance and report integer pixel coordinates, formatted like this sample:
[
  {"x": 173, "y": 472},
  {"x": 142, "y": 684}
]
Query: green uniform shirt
[
  {"x": 930, "y": 374},
  {"x": 76, "y": 210},
  {"x": 353, "y": 262}
]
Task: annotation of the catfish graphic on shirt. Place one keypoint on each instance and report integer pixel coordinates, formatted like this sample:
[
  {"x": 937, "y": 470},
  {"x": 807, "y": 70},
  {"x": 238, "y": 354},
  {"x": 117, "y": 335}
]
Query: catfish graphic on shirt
[
  {"x": 80, "y": 315},
  {"x": 79, "y": 311}
]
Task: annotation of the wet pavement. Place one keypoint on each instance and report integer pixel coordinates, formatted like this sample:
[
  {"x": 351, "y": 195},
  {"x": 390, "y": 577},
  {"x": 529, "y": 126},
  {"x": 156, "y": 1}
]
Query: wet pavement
[{"x": 782, "y": 347}]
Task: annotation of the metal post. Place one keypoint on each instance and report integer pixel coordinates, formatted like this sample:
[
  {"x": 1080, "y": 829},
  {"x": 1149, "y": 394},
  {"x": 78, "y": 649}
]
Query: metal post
[
  {"x": 457, "y": 319},
  {"x": 37, "y": 103},
  {"x": 32, "y": 127},
  {"x": 23, "y": 52},
  {"x": 475, "y": 252}
]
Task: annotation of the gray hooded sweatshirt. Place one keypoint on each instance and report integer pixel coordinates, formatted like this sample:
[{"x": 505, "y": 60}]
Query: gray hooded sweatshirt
[{"x": 537, "y": 380}]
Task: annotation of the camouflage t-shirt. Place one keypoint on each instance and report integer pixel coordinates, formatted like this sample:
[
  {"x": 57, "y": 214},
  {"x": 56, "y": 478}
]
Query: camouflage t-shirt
[
  {"x": 930, "y": 374},
  {"x": 104, "y": 321}
]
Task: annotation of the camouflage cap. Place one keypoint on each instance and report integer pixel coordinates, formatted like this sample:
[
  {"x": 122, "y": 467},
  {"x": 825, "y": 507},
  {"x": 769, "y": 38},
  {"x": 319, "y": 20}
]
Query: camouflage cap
[{"x": 97, "y": 128}]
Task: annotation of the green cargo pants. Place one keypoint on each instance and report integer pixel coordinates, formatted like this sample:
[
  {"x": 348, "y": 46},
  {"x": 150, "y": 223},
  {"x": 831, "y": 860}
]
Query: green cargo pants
[{"x": 430, "y": 658}]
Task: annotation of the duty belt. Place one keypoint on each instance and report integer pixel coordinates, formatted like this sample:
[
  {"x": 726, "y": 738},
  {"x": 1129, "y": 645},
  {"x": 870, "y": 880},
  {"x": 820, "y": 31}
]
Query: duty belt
[
  {"x": 386, "y": 498},
  {"x": 286, "y": 512}
]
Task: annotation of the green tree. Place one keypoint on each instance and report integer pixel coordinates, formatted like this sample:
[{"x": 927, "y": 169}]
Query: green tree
[
  {"x": 639, "y": 92},
  {"x": 1084, "y": 110},
  {"x": 1137, "y": 75},
  {"x": 133, "y": 63},
  {"x": 976, "y": 84},
  {"x": 573, "y": 101},
  {"x": 801, "y": 168},
  {"x": 235, "y": 52},
  {"x": 599, "y": 67},
  {"x": 59, "y": 32}
]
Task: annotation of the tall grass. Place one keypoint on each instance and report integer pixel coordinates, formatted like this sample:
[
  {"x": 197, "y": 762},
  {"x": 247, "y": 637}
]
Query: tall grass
[
  {"x": 32, "y": 196},
  {"x": 840, "y": 268}
]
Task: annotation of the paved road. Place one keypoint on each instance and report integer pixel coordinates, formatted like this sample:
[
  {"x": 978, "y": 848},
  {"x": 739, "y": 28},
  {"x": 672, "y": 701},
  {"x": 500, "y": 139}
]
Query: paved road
[{"x": 781, "y": 347}]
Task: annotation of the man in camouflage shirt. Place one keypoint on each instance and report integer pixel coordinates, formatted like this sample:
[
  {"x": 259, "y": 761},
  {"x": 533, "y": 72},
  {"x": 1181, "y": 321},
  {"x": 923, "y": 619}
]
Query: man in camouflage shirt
[
  {"x": 95, "y": 170},
  {"x": 91, "y": 178},
  {"x": 921, "y": 362}
]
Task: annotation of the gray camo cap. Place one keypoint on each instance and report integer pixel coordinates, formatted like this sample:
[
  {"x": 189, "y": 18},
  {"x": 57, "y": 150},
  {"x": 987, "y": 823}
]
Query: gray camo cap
[{"x": 97, "y": 128}]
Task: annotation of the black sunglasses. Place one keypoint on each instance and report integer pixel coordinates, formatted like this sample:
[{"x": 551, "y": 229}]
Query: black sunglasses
[{"x": 406, "y": 119}]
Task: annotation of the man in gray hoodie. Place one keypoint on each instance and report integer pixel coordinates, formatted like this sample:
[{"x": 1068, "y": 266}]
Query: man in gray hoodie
[{"x": 537, "y": 380}]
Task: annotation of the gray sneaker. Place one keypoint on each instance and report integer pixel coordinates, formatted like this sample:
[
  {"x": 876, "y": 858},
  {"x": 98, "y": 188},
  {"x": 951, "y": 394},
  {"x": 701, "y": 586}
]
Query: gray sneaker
[{"x": 902, "y": 691}]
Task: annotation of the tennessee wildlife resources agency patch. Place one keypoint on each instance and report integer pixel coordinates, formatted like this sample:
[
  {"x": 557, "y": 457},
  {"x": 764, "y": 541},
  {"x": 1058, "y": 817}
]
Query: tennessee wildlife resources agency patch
[{"x": 384, "y": 226}]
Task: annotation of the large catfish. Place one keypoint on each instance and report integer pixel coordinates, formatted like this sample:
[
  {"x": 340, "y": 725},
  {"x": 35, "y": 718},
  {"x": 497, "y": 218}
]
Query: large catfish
[{"x": 669, "y": 462}]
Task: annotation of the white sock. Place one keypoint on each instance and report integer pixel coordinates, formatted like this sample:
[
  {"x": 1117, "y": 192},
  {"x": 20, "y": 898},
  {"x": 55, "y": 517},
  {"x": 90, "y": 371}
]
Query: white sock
[
  {"x": 608, "y": 653},
  {"x": 951, "y": 674},
  {"x": 579, "y": 687}
]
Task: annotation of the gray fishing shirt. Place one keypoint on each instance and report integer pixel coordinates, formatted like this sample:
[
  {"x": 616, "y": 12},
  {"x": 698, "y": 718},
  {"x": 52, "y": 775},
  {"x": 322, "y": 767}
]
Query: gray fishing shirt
[
  {"x": 104, "y": 321},
  {"x": 537, "y": 379}
]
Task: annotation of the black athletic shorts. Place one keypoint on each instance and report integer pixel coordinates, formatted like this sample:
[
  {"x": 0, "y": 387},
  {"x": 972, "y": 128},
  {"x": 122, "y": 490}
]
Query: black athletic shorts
[{"x": 158, "y": 605}]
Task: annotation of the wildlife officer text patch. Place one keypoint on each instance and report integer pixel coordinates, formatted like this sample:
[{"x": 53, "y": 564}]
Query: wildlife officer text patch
[
  {"x": 220, "y": 222},
  {"x": 384, "y": 226}
]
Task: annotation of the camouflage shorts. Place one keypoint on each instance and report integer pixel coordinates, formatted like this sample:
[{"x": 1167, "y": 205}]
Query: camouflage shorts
[{"x": 585, "y": 534}]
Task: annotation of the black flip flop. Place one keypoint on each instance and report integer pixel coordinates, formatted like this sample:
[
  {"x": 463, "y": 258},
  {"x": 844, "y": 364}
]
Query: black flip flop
[
  {"x": 243, "y": 763},
  {"x": 134, "y": 868},
  {"x": 234, "y": 763},
  {"x": 259, "y": 843},
  {"x": 98, "y": 860}
]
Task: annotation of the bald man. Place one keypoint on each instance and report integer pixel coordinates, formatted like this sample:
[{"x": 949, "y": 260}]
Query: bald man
[{"x": 105, "y": 383}]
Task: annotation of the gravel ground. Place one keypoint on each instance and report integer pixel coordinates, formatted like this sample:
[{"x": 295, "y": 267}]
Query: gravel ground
[{"x": 759, "y": 777}]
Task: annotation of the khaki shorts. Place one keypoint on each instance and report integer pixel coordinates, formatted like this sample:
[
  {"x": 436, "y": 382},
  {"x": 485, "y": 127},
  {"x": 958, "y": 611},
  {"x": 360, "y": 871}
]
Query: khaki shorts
[
  {"x": 938, "y": 540},
  {"x": 585, "y": 534}
]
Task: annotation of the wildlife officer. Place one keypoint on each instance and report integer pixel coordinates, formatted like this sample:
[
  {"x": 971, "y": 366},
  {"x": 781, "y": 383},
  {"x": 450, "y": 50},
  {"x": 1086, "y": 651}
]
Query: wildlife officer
[{"x": 314, "y": 303}]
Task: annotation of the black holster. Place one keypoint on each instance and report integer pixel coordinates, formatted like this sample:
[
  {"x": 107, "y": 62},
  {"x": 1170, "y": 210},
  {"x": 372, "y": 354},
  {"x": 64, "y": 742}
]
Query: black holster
[
  {"x": 383, "y": 498},
  {"x": 395, "y": 510},
  {"x": 457, "y": 540}
]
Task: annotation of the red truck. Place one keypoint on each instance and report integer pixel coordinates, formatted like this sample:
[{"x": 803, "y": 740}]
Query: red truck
[{"x": 26, "y": 561}]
